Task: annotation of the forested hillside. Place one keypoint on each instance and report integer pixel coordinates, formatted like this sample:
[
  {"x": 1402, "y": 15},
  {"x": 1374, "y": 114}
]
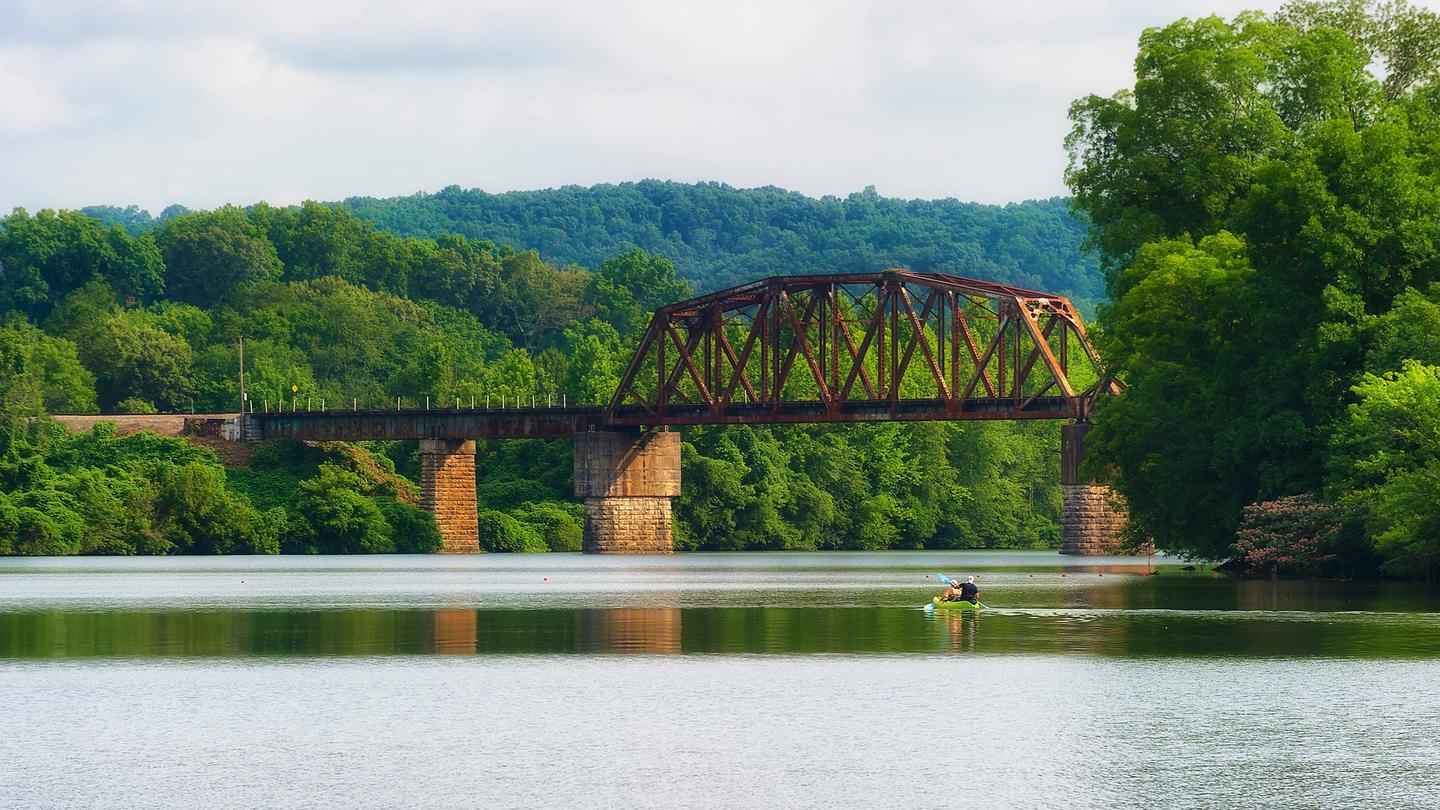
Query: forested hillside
[
  {"x": 147, "y": 315},
  {"x": 718, "y": 236}
]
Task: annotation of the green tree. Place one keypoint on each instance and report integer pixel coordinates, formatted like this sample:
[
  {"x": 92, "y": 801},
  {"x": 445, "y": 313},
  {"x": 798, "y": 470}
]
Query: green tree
[
  {"x": 209, "y": 253},
  {"x": 534, "y": 300},
  {"x": 1388, "y": 462},
  {"x": 628, "y": 287},
  {"x": 1262, "y": 200},
  {"x": 196, "y": 514},
  {"x": 596, "y": 360},
  {"x": 47, "y": 256},
  {"x": 1183, "y": 438},
  {"x": 559, "y": 526},
  {"x": 339, "y": 519},
  {"x": 40, "y": 374},
  {"x": 456, "y": 271},
  {"x": 132, "y": 358}
]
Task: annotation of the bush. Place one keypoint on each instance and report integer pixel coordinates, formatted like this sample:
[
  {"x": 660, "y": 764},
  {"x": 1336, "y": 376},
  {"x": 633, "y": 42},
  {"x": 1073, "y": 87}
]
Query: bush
[
  {"x": 558, "y": 526},
  {"x": 199, "y": 515},
  {"x": 1297, "y": 536},
  {"x": 413, "y": 530},
  {"x": 46, "y": 523},
  {"x": 500, "y": 532},
  {"x": 340, "y": 519},
  {"x": 99, "y": 447}
]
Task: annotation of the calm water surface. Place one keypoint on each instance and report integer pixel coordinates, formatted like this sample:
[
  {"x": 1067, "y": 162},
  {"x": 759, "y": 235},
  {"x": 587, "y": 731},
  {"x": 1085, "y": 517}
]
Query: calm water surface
[{"x": 803, "y": 680}]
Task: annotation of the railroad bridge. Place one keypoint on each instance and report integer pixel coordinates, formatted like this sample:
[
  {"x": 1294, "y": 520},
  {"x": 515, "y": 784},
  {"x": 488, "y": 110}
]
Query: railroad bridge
[{"x": 872, "y": 347}]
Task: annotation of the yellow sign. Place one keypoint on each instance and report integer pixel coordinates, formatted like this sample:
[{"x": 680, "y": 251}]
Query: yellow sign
[{"x": 294, "y": 389}]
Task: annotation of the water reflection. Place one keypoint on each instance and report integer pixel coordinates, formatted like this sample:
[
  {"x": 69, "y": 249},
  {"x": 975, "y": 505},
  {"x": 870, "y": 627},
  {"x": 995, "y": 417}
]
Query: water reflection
[
  {"x": 847, "y": 604},
  {"x": 456, "y": 632},
  {"x": 959, "y": 629},
  {"x": 611, "y": 630},
  {"x": 1116, "y": 631}
]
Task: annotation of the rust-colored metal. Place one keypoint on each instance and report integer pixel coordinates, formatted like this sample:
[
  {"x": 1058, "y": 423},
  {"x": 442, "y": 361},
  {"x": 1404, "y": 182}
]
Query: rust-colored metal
[
  {"x": 805, "y": 342},
  {"x": 907, "y": 325}
]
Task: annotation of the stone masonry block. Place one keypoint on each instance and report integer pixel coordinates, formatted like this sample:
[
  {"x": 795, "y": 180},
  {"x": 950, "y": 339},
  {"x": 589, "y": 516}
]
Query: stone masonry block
[
  {"x": 447, "y": 490},
  {"x": 612, "y": 464}
]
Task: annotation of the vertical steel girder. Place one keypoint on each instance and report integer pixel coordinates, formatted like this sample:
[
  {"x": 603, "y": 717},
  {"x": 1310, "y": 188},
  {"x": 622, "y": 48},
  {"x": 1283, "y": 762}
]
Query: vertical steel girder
[{"x": 895, "y": 345}]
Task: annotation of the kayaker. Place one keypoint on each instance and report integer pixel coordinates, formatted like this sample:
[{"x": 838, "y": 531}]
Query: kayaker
[
  {"x": 969, "y": 591},
  {"x": 952, "y": 592}
]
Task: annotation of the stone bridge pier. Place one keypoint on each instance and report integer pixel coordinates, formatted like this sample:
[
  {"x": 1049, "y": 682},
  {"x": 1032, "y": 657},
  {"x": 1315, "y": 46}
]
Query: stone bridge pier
[
  {"x": 627, "y": 481},
  {"x": 447, "y": 491},
  {"x": 1091, "y": 517}
]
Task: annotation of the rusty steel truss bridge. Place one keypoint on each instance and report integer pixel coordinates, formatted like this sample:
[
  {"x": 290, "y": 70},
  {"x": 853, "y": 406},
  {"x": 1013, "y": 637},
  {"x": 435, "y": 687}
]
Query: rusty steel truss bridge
[{"x": 864, "y": 347}]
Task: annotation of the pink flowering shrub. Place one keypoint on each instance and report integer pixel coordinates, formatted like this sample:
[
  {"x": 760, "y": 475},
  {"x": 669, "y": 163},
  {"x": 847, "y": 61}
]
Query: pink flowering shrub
[{"x": 1297, "y": 535}]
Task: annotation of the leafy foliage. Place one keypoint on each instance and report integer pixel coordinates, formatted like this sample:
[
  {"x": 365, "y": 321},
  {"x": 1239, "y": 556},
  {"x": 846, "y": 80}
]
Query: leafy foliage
[
  {"x": 1387, "y": 461},
  {"x": 1265, "y": 205},
  {"x": 501, "y": 532},
  {"x": 123, "y": 313},
  {"x": 720, "y": 236}
]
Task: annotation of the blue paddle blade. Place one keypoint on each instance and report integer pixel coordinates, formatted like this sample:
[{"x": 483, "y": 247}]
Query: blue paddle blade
[{"x": 944, "y": 579}]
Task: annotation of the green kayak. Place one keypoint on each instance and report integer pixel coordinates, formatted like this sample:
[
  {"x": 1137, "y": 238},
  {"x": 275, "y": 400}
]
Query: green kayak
[{"x": 961, "y": 605}]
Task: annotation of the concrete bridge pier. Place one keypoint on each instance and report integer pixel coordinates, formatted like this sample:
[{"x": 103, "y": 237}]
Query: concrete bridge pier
[
  {"x": 447, "y": 490},
  {"x": 1091, "y": 517},
  {"x": 627, "y": 481}
]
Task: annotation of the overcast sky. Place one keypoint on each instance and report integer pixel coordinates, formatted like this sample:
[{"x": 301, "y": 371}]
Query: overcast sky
[{"x": 161, "y": 101}]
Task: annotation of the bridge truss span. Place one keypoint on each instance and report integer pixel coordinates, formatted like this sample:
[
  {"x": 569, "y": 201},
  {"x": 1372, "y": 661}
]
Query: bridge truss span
[{"x": 884, "y": 346}]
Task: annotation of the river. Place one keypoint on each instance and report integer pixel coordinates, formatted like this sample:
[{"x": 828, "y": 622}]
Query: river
[{"x": 736, "y": 680}]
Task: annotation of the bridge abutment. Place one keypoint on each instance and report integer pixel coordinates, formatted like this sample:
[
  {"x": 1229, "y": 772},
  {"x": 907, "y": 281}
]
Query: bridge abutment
[
  {"x": 447, "y": 490},
  {"x": 627, "y": 481},
  {"x": 1091, "y": 517}
]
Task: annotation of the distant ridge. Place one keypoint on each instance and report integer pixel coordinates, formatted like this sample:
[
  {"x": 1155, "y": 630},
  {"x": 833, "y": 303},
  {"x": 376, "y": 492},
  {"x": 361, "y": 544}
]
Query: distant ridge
[{"x": 719, "y": 235}]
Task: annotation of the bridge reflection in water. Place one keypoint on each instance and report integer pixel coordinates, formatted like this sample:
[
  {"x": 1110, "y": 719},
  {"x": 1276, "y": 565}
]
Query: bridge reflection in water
[
  {"x": 596, "y": 630},
  {"x": 1133, "y": 617}
]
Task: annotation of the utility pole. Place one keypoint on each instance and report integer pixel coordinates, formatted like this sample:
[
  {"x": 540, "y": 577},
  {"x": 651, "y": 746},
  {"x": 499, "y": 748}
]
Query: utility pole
[{"x": 242, "y": 388}]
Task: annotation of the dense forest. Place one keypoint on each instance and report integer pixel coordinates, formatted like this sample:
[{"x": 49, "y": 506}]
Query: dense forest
[
  {"x": 719, "y": 236},
  {"x": 1266, "y": 198},
  {"x": 146, "y": 314}
]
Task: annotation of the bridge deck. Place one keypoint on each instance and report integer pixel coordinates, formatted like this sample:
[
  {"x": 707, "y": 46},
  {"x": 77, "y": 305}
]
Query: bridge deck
[
  {"x": 464, "y": 423},
  {"x": 539, "y": 423}
]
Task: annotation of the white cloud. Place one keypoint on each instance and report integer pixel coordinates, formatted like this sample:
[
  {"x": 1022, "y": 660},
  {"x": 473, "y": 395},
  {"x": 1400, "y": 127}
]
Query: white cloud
[
  {"x": 159, "y": 101},
  {"x": 30, "y": 102}
]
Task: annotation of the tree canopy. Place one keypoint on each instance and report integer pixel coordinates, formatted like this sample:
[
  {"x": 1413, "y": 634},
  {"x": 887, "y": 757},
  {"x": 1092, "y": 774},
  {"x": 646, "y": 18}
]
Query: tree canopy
[{"x": 1264, "y": 199}]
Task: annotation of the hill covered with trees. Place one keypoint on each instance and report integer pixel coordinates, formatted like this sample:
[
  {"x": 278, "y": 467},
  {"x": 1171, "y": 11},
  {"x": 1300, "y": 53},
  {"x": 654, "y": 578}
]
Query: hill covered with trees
[{"x": 718, "y": 236}]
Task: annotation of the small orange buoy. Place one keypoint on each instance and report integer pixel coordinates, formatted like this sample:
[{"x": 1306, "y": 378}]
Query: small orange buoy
[{"x": 1062, "y": 576}]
